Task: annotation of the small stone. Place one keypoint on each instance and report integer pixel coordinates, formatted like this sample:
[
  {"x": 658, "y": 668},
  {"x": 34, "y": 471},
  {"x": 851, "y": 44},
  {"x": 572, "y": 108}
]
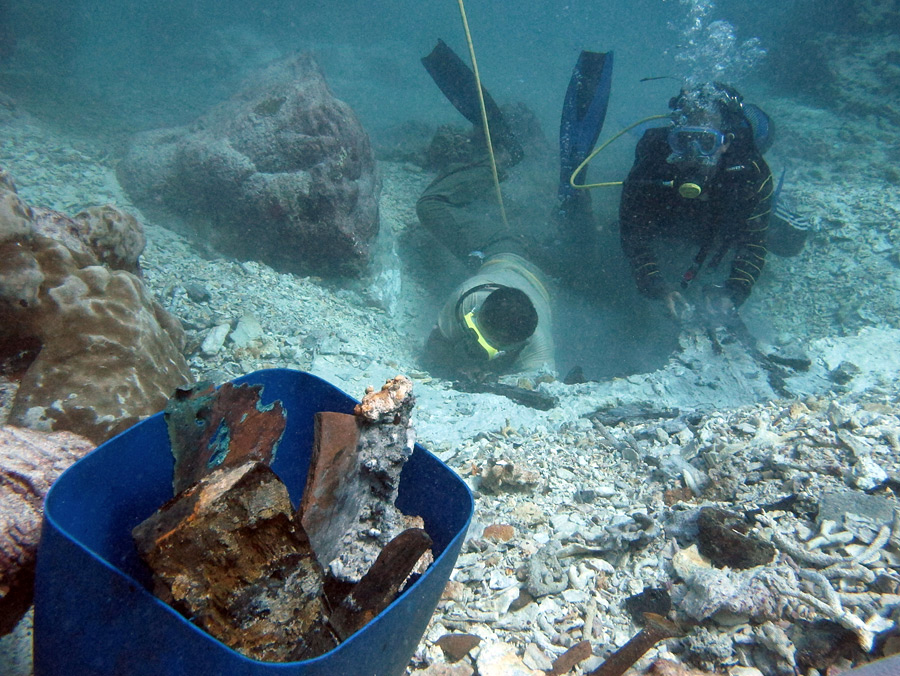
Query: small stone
[
  {"x": 675, "y": 495},
  {"x": 500, "y": 659},
  {"x": 669, "y": 668},
  {"x": 586, "y": 496},
  {"x": 457, "y": 646},
  {"x": 197, "y": 292},
  {"x": 215, "y": 340},
  {"x": 499, "y": 532},
  {"x": 605, "y": 490},
  {"x": 455, "y": 591},
  {"x": 844, "y": 373},
  {"x": 529, "y": 514},
  {"x": 502, "y": 601},
  {"x": 561, "y": 523},
  {"x": 499, "y": 580},
  {"x": 833, "y": 506},
  {"x": 689, "y": 560},
  {"x": 575, "y": 596},
  {"x": 522, "y": 600},
  {"x": 565, "y": 475},
  {"x": 724, "y": 541},
  {"x": 247, "y": 331},
  {"x": 534, "y": 658}
]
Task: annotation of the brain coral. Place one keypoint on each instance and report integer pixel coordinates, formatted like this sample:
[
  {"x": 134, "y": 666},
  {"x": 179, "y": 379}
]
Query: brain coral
[{"x": 93, "y": 351}]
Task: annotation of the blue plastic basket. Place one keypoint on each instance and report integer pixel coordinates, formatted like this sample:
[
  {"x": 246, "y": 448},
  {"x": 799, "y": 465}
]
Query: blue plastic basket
[{"x": 93, "y": 614}]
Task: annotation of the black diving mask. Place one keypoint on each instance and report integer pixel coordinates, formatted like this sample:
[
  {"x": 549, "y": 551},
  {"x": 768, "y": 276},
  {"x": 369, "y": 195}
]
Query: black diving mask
[{"x": 695, "y": 141}]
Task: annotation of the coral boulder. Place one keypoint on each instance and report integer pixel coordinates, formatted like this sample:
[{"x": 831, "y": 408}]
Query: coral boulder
[{"x": 91, "y": 350}]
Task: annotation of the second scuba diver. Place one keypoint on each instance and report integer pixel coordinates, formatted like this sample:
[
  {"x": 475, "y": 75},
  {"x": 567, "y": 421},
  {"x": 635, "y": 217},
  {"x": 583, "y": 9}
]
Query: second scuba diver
[
  {"x": 499, "y": 320},
  {"x": 702, "y": 180}
]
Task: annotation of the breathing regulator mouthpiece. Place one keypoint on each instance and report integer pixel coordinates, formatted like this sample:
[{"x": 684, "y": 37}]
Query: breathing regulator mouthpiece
[{"x": 690, "y": 190}]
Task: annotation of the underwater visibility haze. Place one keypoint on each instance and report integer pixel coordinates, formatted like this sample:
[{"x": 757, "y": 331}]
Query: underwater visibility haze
[{"x": 679, "y": 385}]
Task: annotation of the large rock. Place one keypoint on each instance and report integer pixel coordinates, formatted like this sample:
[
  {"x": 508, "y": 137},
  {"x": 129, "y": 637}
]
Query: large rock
[
  {"x": 92, "y": 351},
  {"x": 282, "y": 173}
]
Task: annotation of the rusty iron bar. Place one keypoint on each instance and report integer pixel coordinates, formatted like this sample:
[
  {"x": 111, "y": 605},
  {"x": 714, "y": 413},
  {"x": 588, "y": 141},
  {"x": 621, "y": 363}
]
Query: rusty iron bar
[{"x": 656, "y": 629}]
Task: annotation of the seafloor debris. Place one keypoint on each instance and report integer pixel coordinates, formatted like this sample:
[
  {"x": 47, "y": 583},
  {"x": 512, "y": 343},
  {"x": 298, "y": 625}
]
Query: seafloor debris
[
  {"x": 723, "y": 539},
  {"x": 457, "y": 646},
  {"x": 348, "y": 504},
  {"x": 655, "y": 629},
  {"x": 380, "y": 584},
  {"x": 521, "y": 395},
  {"x": 504, "y": 475},
  {"x": 215, "y": 551},
  {"x": 230, "y": 552},
  {"x": 821, "y": 591},
  {"x": 544, "y": 573},
  {"x": 393, "y": 402},
  {"x": 210, "y": 428}
]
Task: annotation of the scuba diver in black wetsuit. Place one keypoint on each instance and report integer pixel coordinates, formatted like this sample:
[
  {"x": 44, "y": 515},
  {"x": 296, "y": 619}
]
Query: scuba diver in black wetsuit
[{"x": 703, "y": 180}]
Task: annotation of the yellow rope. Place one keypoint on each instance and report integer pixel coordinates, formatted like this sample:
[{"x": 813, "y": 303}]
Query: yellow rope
[
  {"x": 484, "y": 119},
  {"x": 601, "y": 147}
]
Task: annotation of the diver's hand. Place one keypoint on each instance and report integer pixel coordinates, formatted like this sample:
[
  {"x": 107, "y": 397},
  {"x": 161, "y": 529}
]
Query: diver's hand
[
  {"x": 676, "y": 305},
  {"x": 719, "y": 307}
]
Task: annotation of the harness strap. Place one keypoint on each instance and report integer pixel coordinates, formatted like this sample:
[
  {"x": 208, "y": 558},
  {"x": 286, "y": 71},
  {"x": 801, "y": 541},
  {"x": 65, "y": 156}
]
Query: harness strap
[{"x": 699, "y": 259}]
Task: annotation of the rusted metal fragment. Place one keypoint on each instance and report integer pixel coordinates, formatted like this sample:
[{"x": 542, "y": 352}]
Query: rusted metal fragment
[
  {"x": 333, "y": 497},
  {"x": 368, "y": 487},
  {"x": 567, "y": 661},
  {"x": 378, "y": 587},
  {"x": 211, "y": 428},
  {"x": 656, "y": 628},
  {"x": 31, "y": 462},
  {"x": 228, "y": 554}
]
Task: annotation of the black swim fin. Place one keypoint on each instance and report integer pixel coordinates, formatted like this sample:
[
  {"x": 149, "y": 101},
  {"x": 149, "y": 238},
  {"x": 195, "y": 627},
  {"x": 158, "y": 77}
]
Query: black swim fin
[
  {"x": 584, "y": 111},
  {"x": 457, "y": 81}
]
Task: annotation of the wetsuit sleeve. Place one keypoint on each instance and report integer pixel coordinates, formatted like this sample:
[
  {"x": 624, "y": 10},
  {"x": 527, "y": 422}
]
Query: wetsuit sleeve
[
  {"x": 638, "y": 221},
  {"x": 445, "y": 357},
  {"x": 751, "y": 232}
]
